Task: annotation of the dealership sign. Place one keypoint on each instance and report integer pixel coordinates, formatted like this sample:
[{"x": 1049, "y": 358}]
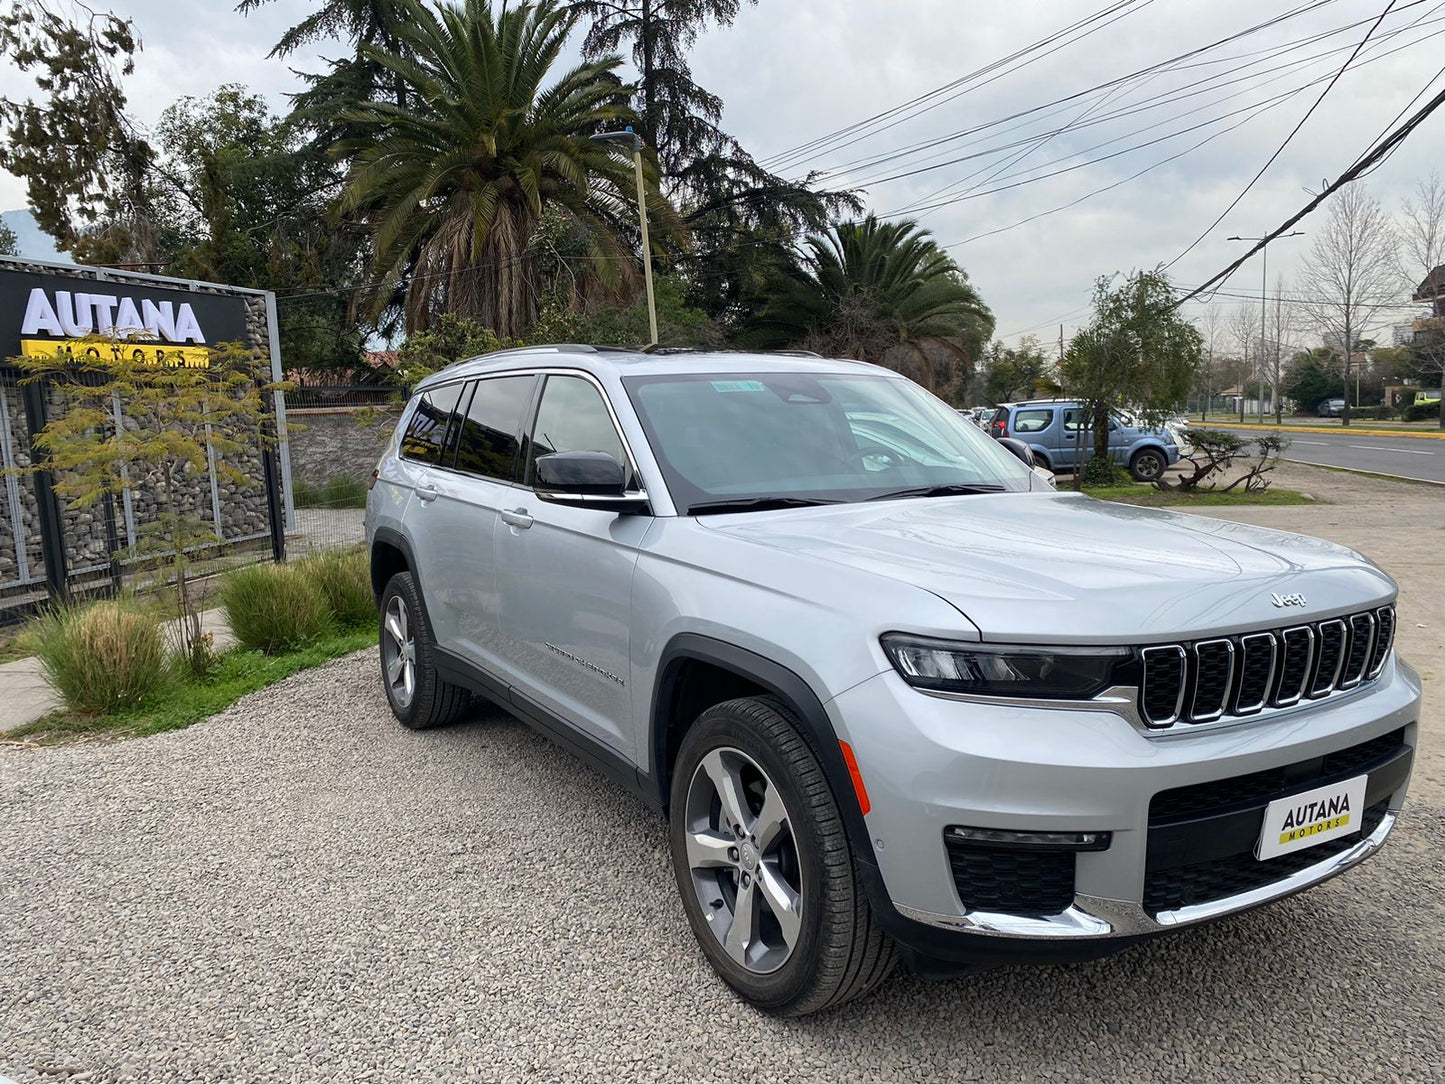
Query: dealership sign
[{"x": 46, "y": 315}]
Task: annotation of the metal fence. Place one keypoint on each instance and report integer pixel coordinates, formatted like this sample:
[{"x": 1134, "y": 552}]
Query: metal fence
[
  {"x": 321, "y": 396},
  {"x": 51, "y": 548}
]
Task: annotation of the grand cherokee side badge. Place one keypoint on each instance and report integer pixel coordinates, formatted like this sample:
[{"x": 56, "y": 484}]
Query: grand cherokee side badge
[{"x": 1287, "y": 600}]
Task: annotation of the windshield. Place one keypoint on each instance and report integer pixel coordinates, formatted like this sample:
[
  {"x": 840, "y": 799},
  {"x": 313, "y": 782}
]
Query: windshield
[{"x": 803, "y": 437}]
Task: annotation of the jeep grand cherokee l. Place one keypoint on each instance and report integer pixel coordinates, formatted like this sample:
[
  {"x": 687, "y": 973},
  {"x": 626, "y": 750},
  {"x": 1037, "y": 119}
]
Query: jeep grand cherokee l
[{"x": 895, "y": 696}]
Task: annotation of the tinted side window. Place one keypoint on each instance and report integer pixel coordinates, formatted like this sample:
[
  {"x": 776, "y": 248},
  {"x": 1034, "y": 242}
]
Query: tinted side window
[
  {"x": 426, "y": 433},
  {"x": 488, "y": 444},
  {"x": 1032, "y": 421},
  {"x": 574, "y": 418}
]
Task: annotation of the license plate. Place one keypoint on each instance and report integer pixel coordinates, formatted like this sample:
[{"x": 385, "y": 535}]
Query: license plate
[{"x": 1314, "y": 817}]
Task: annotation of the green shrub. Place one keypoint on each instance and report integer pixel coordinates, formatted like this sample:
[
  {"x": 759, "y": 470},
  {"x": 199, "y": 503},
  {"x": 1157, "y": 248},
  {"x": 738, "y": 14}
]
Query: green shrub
[
  {"x": 1381, "y": 413},
  {"x": 345, "y": 581},
  {"x": 274, "y": 608},
  {"x": 334, "y": 493},
  {"x": 1103, "y": 471},
  {"x": 1418, "y": 412},
  {"x": 102, "y": 657}
]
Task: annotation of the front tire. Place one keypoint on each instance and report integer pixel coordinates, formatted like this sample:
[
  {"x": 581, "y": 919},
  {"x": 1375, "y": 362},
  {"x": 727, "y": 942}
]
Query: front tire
[
  {"x": 1147, "y": 465},
  {"x": 763, "y": 864},
  {"x": 419, "y": 698}
]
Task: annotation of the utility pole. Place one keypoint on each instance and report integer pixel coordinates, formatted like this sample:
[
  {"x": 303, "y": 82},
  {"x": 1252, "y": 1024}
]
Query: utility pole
[
  {"x": 1263, "y": 313},
  {"x": 632, "y": 139}
]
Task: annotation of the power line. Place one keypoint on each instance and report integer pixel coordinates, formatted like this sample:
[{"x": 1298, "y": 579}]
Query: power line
[
  {"x": 1113, "y": 85},
  {"x": 1293, "y": 132},
  {"x": 932, "y": 201},
  {"x": 1377, "y": 153},
  {"x": 1132, "y": 76},
  {"x": 784, "y": 159}
]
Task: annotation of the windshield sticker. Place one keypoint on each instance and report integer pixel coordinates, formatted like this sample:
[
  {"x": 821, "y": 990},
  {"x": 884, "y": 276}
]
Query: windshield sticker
[{"x": 738, "y": 385}]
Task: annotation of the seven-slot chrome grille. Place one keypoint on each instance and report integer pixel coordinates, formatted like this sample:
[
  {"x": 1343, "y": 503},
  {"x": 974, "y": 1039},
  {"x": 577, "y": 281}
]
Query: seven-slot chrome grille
[{"x": 1206, "y": 680}]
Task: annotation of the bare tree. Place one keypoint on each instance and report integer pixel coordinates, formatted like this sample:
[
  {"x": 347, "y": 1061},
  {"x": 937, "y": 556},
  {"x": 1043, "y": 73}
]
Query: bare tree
[
  {"x": 1279, "y": 333},
  {"x": 1351, "y": 273},
  {"x": 1244, "y": 330},
  {"x": 1211, "y": 329},
  {"x": 1422, "y": 249}
]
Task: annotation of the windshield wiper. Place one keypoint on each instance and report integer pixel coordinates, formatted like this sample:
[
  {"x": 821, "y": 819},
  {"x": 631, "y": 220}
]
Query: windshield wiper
[
  {"x": 754, "y": 504},
  {"x": 940, "y": 491}
]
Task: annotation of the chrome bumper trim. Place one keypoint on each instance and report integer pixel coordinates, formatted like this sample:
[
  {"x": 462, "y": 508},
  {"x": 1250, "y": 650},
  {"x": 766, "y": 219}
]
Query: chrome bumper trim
[{"x": 1094, "y": 916}]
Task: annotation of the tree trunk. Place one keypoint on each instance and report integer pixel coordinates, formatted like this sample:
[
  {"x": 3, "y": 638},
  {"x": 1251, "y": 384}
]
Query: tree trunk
[{"x": 1101, "y": 430}]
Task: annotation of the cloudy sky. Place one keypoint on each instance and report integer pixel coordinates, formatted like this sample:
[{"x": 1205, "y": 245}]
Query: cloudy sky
[{"x": 1106, "y": 100}]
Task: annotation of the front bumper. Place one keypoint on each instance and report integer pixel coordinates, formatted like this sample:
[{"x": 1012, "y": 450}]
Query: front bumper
[{"x": 930, "y": 763}]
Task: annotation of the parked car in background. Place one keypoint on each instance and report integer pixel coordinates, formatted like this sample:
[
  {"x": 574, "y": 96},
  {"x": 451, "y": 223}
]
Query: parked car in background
[
  {"x": 1052, "y": 430},
  {"x": 1330, "y": 408},
  {"x": 1427, "y": 396}
]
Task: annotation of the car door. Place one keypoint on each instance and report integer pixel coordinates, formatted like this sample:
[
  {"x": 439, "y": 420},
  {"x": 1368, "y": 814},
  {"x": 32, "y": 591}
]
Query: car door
[
  {"x": 564, "y": 576},
  {"x": 454, "y": 524},
  {"x": 426, "y": 451}
]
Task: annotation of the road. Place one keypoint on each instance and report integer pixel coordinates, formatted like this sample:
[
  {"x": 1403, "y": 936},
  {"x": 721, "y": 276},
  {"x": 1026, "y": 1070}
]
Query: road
[{"x": 1404, "y": 457}]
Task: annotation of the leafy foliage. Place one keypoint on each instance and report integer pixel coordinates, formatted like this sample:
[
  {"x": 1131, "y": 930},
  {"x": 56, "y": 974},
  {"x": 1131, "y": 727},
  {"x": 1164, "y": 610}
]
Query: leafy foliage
[
  {"x": 100, "y": 657},
  {"x": 1013, "y": 373},
  {"x": 1312, "y": 377},
  {"x": 1137, "y": 352},
  {"x": 454, "y": 184},
  {"x": 85, "y": 163},
  {"x": 9, "y": 243},
  {"x": 882, "y": 292}
]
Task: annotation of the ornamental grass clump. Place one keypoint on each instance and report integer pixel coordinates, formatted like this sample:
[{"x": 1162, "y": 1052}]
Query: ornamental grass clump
[
  {"x": 345, "y": 582},
  {"x": 274, "y": 608},
  {"x": 102, "y": 657}
]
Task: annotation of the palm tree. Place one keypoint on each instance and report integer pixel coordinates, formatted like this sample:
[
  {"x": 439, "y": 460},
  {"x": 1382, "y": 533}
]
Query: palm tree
[
  {"x": 455, "y": 182},
  {"x": 883, "y": 292}
]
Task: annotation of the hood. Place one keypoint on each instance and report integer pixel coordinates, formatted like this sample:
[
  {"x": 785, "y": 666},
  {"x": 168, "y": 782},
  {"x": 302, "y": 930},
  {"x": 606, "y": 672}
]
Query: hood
[{"x": 1039, "y": 567}]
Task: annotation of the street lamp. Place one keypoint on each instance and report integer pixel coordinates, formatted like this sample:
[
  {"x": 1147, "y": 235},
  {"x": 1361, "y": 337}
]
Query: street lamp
[
  {"x": 633, "y": 140},
  {"x": 1263, "y": 311}
]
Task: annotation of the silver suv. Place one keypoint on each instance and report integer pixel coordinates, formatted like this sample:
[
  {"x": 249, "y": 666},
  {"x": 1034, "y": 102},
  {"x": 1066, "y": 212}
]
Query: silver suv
[{"x": 895, "y": 696}]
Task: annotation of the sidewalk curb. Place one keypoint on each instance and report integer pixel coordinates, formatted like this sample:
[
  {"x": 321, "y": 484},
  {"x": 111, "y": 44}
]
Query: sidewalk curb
[
  {"x": 1416, "y": 434},
  {"x": 1371, "y": 473}
]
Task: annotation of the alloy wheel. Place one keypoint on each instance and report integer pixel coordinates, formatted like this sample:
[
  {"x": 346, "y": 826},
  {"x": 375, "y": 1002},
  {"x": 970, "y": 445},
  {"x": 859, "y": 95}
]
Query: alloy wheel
[
  {"x": 398, "y": 652},
  {"x": 743, "y": 860}
]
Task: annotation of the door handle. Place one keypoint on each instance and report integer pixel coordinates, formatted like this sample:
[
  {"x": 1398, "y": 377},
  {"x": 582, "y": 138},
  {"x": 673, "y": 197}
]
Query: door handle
[
  {"x": 516, "y": 518},
  {"x": 426, "y": 493}
]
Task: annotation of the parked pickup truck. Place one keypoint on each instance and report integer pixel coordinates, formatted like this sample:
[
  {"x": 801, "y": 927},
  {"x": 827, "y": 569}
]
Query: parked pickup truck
[
  {"x": 1057, "y": 432},
  {"x": 896, "y": 697}
]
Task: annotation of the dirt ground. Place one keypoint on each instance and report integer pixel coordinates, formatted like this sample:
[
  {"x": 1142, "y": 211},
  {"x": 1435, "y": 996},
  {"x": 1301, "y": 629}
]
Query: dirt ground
[{"x": 1401, "y": 527}]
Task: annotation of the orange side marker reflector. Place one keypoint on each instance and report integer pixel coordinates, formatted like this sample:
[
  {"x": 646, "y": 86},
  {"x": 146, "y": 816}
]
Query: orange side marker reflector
[{"x": 853, "y": 773}]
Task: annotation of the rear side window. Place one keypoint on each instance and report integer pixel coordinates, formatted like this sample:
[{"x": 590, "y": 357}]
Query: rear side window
[
  {"x": 1032, "y": 421},
  {"x": 425, "y": 439},
  {"x": 574, "y": 418},
  {"x": 489, "y": 443}
]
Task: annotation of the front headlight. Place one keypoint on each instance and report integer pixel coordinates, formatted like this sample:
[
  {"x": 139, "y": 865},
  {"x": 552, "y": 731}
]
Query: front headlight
[{"x": 1017, "y": 670}]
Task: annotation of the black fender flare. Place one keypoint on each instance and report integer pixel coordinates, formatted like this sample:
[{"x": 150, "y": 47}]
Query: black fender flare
[{"x": 793, "y": 690}]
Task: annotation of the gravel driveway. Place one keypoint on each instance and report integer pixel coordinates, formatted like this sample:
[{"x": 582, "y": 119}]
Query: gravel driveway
[{"x": 300, "y": 890}]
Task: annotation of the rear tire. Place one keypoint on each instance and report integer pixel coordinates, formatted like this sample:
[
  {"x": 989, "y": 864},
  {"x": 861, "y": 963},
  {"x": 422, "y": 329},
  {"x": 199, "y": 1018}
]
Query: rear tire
[
  {"x": 419, "y": 698},
  {"x": 774, "y": 850},
  {"x": 1147, "y": 465}
]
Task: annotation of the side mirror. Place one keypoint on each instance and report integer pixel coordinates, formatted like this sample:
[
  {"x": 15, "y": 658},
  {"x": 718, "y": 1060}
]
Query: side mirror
[
  {"x": 1022, "y": 451},
  {"x": 585, "y": 480}
]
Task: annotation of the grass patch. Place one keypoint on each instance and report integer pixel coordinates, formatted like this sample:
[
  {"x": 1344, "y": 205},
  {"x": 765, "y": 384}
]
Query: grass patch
[
  {"x": 181, "y": 703},
  {"x": 1149, "y": 497},
  {"x": 275, "y": 608},
  {"x": 333, "y": 493}
]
